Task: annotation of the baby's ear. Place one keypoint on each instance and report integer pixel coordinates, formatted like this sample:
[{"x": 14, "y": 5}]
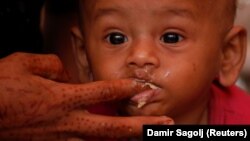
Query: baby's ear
[
  {"x": 234, "y": 53},
  {"x": 80, "y": 54}
]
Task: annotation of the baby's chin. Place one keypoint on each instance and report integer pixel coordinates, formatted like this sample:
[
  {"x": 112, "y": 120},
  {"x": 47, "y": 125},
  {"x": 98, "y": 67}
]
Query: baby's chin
[{"x": 146, "y": 110}]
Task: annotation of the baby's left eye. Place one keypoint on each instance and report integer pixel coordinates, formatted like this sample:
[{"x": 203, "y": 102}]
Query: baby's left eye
[{"x": 171, "y": 38}]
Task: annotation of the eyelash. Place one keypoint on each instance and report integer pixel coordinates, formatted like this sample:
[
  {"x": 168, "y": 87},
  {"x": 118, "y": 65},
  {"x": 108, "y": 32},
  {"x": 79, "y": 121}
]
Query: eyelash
[{"x": 117, "y": 38}]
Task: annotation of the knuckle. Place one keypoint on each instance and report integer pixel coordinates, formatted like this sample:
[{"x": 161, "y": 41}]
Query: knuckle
[{"x": 54, "y": 59}]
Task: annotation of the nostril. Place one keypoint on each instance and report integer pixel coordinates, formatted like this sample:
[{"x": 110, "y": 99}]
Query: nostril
[
  {"x": 143, "y": 62},
  {"x": 142, "y": 65},
  {"x": 132, "y": 64}
]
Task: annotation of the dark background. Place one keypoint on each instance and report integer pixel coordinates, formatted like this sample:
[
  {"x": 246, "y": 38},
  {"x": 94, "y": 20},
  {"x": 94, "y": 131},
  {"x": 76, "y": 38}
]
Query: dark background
[
  {"x": 19, "y": 23},
  {"x": 19, "y": 26}
]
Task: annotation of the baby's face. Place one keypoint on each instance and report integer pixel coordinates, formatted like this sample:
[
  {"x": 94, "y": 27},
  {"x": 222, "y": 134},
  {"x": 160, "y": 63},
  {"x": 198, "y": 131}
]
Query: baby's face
[{"x": 173, "y": 44}]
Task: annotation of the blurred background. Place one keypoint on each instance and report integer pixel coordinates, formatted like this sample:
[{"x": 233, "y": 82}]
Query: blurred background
[
  {"x": 19, "y": 26},
  {"x": 19, "y": 29},
  {"x": 243, "y": 18}
]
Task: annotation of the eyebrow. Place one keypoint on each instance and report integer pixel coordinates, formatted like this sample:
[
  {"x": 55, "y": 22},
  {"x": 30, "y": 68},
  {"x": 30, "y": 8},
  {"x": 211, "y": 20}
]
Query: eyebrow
[
  {"x": 107, "y": 11},
  {"x": 181, "y": 12}
]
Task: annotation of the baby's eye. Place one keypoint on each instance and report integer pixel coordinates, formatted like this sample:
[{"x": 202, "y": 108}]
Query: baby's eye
[
  {"x": 116, "y": 38},
  {"x": 171, "y": 38}
]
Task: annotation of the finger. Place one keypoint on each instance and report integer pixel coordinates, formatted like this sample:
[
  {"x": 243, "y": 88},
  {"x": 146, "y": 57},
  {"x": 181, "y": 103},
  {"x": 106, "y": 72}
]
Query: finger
[
  {"x": 45, "y": 65},
  {"x": 81, "y": 124},
  {"x": 90, "y": 125},
  {"x": 33, "y": 134},
  {"x": 71, "y": 96}
]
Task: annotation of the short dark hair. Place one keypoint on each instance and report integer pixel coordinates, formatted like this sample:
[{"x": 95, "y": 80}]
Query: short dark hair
[{"x": 60, "y": 7}]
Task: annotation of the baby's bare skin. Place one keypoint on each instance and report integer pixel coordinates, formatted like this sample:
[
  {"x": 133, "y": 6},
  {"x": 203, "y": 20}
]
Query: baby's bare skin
[{"x": 35, "y": 104}]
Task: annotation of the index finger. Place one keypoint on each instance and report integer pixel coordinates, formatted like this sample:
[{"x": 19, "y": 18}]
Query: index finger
[{"x": 71, "y": 96}]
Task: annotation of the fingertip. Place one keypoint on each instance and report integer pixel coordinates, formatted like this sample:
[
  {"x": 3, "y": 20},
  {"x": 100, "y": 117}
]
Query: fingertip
[{"x": 167, "y": 121}]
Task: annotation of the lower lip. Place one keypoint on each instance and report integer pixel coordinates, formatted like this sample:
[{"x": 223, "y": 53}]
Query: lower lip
[{"x": 149, "y": 95}]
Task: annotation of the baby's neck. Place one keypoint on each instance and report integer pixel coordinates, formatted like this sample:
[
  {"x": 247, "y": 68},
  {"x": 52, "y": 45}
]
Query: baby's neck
[
  {"x": 197, "y": 115},
  {"x": 200, "y": 118}
]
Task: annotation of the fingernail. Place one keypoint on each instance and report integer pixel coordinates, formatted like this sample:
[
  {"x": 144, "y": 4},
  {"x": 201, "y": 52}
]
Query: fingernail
[
  {"x": 168, "y": 122},
  {"x": 171, "y": 122}
]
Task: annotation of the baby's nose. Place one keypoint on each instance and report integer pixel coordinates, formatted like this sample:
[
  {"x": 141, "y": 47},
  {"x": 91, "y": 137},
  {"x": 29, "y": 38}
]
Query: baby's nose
[{"x": 143, "y": 54}]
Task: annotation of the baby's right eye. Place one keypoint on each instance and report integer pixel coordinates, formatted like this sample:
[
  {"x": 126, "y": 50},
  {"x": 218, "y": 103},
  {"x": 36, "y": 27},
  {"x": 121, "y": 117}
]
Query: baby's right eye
[{"x": 116, "y": 38}]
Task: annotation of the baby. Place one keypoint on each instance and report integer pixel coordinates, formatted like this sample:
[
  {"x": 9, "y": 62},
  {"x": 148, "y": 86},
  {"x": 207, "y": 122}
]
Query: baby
[{"x": 189, "y": 52}]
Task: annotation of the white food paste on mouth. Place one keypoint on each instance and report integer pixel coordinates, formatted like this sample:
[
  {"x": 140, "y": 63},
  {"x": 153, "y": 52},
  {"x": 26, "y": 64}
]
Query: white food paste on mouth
[{"x": 142, "y": 98}]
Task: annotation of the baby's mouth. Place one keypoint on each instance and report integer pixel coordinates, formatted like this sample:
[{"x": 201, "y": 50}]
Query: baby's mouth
[
  {"x": 141, "y": 99},
  {"x": 152, "y": 86}
]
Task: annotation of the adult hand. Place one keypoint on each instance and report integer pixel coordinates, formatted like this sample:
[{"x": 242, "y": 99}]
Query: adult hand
[{"x": 35, "y": 104}]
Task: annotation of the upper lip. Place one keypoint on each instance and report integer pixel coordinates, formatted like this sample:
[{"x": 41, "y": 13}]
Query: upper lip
[{"x": 150, "y": 83}]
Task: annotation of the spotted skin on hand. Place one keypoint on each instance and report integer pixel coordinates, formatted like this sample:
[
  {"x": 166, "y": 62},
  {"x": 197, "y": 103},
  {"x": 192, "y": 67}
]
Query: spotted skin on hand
[{"x": 35, "y": 104}]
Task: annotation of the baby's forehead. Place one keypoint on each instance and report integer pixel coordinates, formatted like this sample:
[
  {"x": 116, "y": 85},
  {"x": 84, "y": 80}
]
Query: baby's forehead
[
  {"x": 204, "y": 4},
  {"x": 199, "y": 7}
]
